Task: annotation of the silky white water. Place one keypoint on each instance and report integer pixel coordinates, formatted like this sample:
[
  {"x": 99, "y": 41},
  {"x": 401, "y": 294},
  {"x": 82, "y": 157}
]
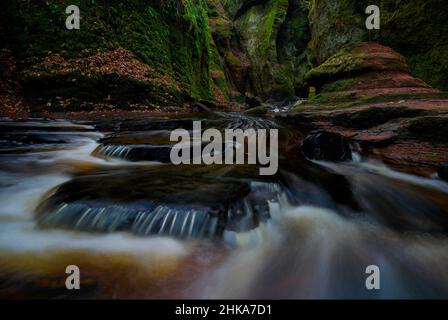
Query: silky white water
[{"x": 306, "y": 249}]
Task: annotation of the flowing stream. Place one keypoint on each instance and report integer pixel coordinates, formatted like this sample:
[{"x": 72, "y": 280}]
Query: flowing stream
[{"x": 103, "y": 195}]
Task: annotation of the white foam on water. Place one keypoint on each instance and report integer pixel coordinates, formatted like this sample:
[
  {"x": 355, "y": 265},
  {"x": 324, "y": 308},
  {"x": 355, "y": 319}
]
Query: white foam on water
[
  {"x": 21, "y": 192},
  {"x": 315, "y": 253},
  {"x": 417, "y": 180},
  {"x": 303, "y": 252},
  {"x": 381, "y": 169},
  {"x": 18, "y": 231},
  {"x": 25, "y": 237},
  {"x": 79, "y": 151},
  {"x": 20, "y": 198}
]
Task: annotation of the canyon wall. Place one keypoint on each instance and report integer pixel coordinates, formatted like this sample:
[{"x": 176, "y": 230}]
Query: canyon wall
[{"x": 178, "y": 51}]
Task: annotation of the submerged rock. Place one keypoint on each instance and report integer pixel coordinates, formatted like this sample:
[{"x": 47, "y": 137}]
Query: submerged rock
[
  {"x": 442, "y": 171},
  {"x": 261, "y": 110},
  {"x": 323, "y": 145},
  {"x": 252, "y": 101}
]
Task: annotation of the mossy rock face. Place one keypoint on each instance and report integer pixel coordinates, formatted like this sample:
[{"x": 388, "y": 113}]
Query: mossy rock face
[
  {"x": 229, "y": 64},
  {"x": 274, "y": 35},
  {"x": 222, "y": 49},
  {"x": 263, "y": 46},
  {"x": 339, "y": 85},
  {"x": 198, "y": 49},
  {"x": 377, "y": 80},
  {"x": 363, "y": 71},
  {"x": 335, "y": 24},
  {"x": 415, "y": 28},
  {"x": 233, "y": 7},
  {"x": 354, "y": 59},
  {"x": 171, "y": 37}
]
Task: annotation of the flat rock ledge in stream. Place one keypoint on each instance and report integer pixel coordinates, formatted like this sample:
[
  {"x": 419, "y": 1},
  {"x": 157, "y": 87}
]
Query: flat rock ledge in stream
[
  {"x": 168, "y": 201},
  {"x": 324, "y": 145}
]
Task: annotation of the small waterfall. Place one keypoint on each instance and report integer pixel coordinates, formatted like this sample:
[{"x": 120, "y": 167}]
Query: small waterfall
[
  {"x": 112, "y": 151},
  {"x": 176, "y": 220},
  {"x": 168, "y": 220},
  {"x": 218, "y": 231},
  {"x": 314, "y": 253},
  {"x": 134, "y": 153}
]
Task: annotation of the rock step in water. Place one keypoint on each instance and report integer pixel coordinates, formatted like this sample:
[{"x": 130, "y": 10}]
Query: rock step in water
[
  {"x": 135, "y": 153},
  {"x": 151, "y": 219},
  {"x": 196, "y": 204},
  {"x": 324, "y": 145}
]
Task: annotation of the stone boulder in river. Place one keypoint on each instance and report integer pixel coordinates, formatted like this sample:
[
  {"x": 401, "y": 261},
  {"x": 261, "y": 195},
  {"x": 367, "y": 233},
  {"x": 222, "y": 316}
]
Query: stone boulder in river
[
  {"x": 443, "y": 171},
  {"x": 193, "y": 202},
  {"x": 323, "y": 145}
]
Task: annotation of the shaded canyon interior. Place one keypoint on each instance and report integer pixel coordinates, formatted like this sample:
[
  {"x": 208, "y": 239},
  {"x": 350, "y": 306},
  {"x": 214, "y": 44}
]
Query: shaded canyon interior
[{"x": 86, "y": 177}]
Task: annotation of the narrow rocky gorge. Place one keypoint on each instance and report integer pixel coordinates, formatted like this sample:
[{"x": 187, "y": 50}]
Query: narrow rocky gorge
[{"x": 87, "y": 178}]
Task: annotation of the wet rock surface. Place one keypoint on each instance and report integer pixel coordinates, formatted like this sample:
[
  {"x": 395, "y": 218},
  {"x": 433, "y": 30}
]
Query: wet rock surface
[
  {"x": 174, "y": 225},
  {"x": 185, "y": 202},
  {"x": 431, "y": 128},
  {"x": 338, "y": 22},
  {"x": 407, "y": 134},
  {"x": 374, "y": 116},
  {"x": 442, "y": 171},
  {"x": 323, "y": 145},
  {"x": 366, "y": 71}
]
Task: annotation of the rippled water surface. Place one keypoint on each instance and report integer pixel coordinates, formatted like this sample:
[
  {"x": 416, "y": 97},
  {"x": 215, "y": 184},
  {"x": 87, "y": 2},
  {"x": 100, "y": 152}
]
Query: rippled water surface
[{"x": 103, "y": 196}]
